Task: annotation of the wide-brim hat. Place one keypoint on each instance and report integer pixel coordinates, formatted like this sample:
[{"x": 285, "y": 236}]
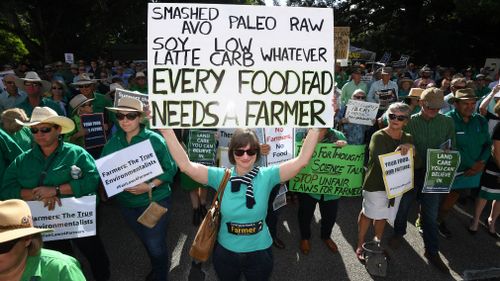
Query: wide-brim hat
[
  {"x": 385, "y": 70},
  {"x": 463, "y": 94},
  {"x": 432, "y": 97},
  {"x": 16, "y": 221},
  {"x": 48, "y": 115},
  {"x": 127, "y": 104},
  {"x": 78, "y": 101},
  {"x": 415, "y": 93},
  {"x": 83, "y": 79},
  {"x": 32, "y": 76},
  {"x": 404, "y": 80}
]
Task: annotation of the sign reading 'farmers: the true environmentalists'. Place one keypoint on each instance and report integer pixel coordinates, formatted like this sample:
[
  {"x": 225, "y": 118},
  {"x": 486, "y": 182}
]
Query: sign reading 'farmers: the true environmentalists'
[
  {"x": 332, "y": 170},
  {"x": 229, "y": 66}
]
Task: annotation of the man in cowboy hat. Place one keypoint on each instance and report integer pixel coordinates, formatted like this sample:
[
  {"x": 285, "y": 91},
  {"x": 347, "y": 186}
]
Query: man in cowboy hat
[
  {"x": 21, "y": 254},
  {"x": 86, "y": 86},
  {"x": 353, "y": 85},
  {"x": 425, "y": 78},
  {"x": 35, "y": 88},
  {"x": 140, "y": 83},
  {"x": 12, "y": 96},
  {"x": 473, "y": 143},
  {"x": 54, "y": 169}
]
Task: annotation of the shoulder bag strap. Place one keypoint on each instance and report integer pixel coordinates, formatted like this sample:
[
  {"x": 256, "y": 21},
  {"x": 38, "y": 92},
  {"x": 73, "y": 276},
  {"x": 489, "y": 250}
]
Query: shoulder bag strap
[{"x": 222, "y": 186}]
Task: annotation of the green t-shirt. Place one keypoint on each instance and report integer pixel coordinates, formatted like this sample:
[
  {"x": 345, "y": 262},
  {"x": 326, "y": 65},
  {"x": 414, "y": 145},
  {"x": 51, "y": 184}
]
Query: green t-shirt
[
  {"x": 234, "y": 209},
  {"x": 28, "y": 108},
  {"x": 52, "y": 266},
  {"x": 119, "y": 141},
  {"x": 9, "y": 150},
  {"x": 25, "y": 171}
]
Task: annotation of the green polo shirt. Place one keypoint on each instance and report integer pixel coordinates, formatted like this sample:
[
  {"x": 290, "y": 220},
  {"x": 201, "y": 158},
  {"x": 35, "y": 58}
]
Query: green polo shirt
[
  {"x": 25, "y": 171},
  {"x": 23, "y": 138},
  {"x": 28, "y": 108},
  {"x": 473, "y": 139},
  {"x": 119, "y": 141},
  {"x": 9, "y": 150},
  {"x": 52, "y": 266},
  {"x": 430, "y": 133},
  {"x": 349, "y": 88}
]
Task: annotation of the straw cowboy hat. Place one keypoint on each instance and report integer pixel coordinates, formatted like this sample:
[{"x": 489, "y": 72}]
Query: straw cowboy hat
[
  {"x": 127, "y": 104},
  {"x": 78, "y": 101},
  {"x": 48, "y": 115},
  {"x": 415, "y": 93},
  {"x": 83, "y": 79},
  {"x": 16, "y": 221},
  {"x": 32, "y": 76}
]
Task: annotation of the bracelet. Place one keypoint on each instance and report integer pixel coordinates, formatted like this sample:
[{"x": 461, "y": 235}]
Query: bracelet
[{"x": 58, "y": 191}]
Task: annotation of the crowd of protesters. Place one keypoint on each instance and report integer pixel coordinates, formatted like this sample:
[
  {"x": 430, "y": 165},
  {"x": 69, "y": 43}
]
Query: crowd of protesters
[{"x": 420, "y": 108}]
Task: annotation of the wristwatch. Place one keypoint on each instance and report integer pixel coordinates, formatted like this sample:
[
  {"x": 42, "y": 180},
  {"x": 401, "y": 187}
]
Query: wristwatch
[
  {"x": 58, "y": 191},
  {"x": 151, "y": 185}
]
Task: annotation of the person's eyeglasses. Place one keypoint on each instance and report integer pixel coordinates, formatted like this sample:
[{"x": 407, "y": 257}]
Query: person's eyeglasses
[
  {"x": 9, "y": 82},
  {"x": 43, "y": 130},
  {"x": 385, "y": 97},
  {"x": 28, "y": 84},
  {"x": 86, "y": 86},
  {"x": 359, "y": 97},
  {"x": 7, "y": 246},
  {"x": 249, "y": 152},
  {"x": 130, "y": 116},
  {"x": 56, "y": 88},
  {"x": 399, "y": 117}
]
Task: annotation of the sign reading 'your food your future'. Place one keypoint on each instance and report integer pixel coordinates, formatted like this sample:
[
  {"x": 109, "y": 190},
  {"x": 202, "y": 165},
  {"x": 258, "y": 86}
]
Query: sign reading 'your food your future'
[{"x": 227, "y": 66}]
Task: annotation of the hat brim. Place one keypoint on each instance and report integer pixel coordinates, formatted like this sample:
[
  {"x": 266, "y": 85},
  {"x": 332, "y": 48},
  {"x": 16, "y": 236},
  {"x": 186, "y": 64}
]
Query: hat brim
[
  {"x": 13, "y": 234},
  {"x": 128, "y": 109},
  {"x": 46, "y": 85},
  {"x": 67, "y": 125},
  {"x": 81, "y": 83},
  {"x": 453, "y": 99},
  {"x": 82, "y": 103}
]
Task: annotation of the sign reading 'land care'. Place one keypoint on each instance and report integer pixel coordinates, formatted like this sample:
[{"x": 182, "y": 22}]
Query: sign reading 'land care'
[{"x": 229, "y": 66}]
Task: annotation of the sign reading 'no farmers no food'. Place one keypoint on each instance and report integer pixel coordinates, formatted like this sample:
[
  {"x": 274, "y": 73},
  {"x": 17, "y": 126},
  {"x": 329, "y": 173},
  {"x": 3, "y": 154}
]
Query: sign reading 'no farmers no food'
[{"x": 228, "y": 66}]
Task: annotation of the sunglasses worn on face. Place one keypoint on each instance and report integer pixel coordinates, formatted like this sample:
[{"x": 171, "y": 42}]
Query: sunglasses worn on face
[
  {"x": 7, "y": 246},
  {"x": 87, "y": 104},
  {"x": 56, "y": 88},
  {"x": 28, "y": 84},
  {"x": 399, "y": 117},
  {"x": 130, "y": 116},
  {"x": 249, "y": 152},
  {"x": 43, "y": 130},
  {"x": 86, "y": 86}
]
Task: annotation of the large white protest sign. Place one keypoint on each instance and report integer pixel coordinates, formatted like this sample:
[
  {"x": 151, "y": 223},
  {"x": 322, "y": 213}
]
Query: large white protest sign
[
  {"x": 227, "y": 66},
  {"x": 128, "y": 167},
  {"x": 76, "y": 217},
  {"x": 281, "y": 141},
  {"x": 397, "y": 171},
  {"x": 360, "y": 112}
]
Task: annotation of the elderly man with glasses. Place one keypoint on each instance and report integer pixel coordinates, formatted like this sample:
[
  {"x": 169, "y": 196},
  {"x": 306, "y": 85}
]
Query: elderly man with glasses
[
  {"x": 35, "y": 88},
  {"x": 12, "y": 96}
]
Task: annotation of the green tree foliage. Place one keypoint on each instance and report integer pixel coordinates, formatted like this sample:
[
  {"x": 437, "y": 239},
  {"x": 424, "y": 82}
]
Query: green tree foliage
[{"x": 12, "y": 48}]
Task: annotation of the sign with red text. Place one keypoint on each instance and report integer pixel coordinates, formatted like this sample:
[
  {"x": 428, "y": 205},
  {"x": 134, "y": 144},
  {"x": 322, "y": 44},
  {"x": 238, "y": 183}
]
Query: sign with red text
[
  {"x": 281, "y": 142},
  {"x": 230, "y": 66}
]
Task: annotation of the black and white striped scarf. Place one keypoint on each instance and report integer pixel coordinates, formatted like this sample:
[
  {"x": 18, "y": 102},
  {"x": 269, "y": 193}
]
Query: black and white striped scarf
[{"x": 236, "y": 182}]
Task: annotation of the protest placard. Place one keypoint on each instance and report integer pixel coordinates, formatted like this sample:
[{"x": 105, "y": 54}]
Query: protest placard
[
  {"x": 226, "y": 134},
  {"x": 120, "y": 93},
  {"x": 201, "y": 146},
  {"x": 128, "y": 167},
  {"x": 360, "y": 112},
  {"x": 229, "y": 66},
  {"x": 69, "y": 58},
  {"x": 281, "y": 141},
  {"x": 441, "y": 169},
  {"x": 75, "y": 218},
  {"x": 397, "y": 171},
  {"x": 341, "y": 39},
  {"x": 94, "y": 124},
  {"x": 332, "y": 170}
]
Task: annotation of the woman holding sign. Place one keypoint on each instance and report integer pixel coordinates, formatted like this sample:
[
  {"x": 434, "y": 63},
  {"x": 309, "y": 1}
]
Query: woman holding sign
[
  {"x": 134, "y": 200},
  {"x": 377, "y": 208},
  {"x": 243, "y": 242}
]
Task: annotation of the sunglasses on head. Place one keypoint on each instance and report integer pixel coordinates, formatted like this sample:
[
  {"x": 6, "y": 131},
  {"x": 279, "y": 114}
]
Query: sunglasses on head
[
  {"x": 28, "y": 84},
  {"x": 7, "y": 246},
  {"x": 130, "y": 116},
  {"x": 43, "y": 130},
  {"x": 399, "y": 117},
  {"x": 249, "y": 152}
]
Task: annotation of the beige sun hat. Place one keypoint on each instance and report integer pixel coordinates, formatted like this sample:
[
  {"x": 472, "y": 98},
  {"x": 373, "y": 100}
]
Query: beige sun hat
[
  {"x": 32, "y": 76},
  {"x": 83, "y": 79},
  {"x": 78, "y": 101},
  {"x": 127, "y": 104},
  {"x": 16, "y": 221},
  {"x": 415, "y": 93},
  {"x": 48, "y": 115}
]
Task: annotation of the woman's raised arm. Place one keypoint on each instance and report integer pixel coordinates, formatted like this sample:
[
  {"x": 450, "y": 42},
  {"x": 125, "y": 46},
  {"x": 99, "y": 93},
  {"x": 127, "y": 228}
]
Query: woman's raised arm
[
  {"x": 292, "y": 167},
  {"x": 197, "y": 172}
]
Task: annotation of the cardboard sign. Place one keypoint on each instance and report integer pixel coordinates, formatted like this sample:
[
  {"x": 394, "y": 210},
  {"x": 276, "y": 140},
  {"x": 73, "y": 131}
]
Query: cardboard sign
[
  {"x": 201, "y": 147},
  {"x": 281, "y": 141},
  {"x": 230, "y": 66},
  {"x": 74, "y": 219},
  {"x": 69, "y": 58},
  {"x": 120, "y": 93},
  {"x": 341, "y": 37},
  {"x": 441, "y": 170},
  {"x": 397, "y": 171},
  {"x": 360, "y": 112},
  {"x": 332, "y": 170},
  {"x": 128, "y": 167},
  {"x": 94, "y": 123}
]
